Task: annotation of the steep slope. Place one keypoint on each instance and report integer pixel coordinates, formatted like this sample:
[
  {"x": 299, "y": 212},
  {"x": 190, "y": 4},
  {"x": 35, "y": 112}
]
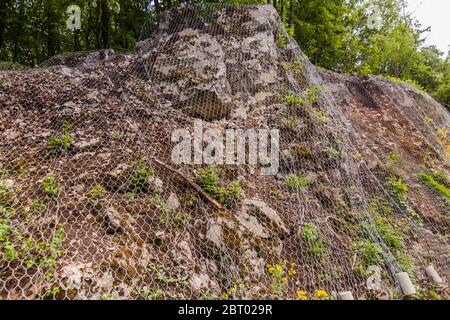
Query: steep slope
[{"x": 92, "y": 205}]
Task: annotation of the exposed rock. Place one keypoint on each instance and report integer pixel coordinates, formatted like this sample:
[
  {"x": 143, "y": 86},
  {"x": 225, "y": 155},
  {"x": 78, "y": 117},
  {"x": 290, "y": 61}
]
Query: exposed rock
[
  {"x": 172, "y": 202},
  {"x": 117, "y": 178},
  {"x": 111, "y": 221},
  {"x": 156, "y": 184},
  {"x": 86, "y": 144},
  {"x": 257, "y": 216}
]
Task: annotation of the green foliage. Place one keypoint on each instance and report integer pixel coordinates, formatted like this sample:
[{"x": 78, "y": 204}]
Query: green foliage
[
  {"x": 293, "y": 100},
  {"x": 394, "y": 160},
  {"x": 182, "y": 219},
  {"x": 96, "y": 193},
  {"x": 151, "y": 294},
  {"x": 397, "y": 188},
  {"x": 369, "y": 253},
  {"x": 139, "y": 176},
  {"x": 440, "y": 177},
  {"x": 320, "y": 116},
  {"x": 332, "y": 152},
  {"x": 50, "y": 186},
  {"x": 310, "y": 235},
  {"x": 62, "y": 143},
  {"x": 208, "y": 179},
  {"x": 296, "y": 66},
  {"x": 391, "y": 234},
  {"x": 296, "y": 182},
  {"x": 431, "y": 182},
  {"x": 281, "y": 40}
]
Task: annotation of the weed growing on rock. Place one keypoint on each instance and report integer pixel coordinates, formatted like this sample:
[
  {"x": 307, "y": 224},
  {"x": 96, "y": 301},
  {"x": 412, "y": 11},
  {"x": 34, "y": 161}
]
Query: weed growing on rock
[
  {"x": 208, "y": 179},
  {"x": 369, "y": 253},
  {"x": 280, "y": 274},
  {"x": 139, "y": 176},
  {"x": 432, "y": 183},
  {"x": 281, "y": 39},
  {"x": 50, "y": 186},
  {"x": 310, "y": 236},
  {"x": 296, "y": 183}
]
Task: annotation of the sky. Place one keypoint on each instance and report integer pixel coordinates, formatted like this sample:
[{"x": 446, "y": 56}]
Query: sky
[{"x": 434, "y": 13}]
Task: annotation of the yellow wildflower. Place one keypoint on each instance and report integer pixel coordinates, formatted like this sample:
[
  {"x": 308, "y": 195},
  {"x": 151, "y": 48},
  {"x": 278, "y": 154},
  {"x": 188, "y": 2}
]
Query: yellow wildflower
[{"x": 321, "y": 294}]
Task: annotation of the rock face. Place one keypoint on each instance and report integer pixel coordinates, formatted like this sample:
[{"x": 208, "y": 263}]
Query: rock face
[{"x": 129, "y": 223}]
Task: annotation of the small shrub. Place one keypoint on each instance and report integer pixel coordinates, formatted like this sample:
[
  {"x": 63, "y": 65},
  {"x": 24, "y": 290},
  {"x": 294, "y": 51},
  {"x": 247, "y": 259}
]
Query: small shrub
[
  {"x": 281, "y": 39},
  {"x": 314, "y": 246},
  {"x": 280, "y": 274},
  {"x": 208, "y": 179},
  {"x": 394, "y": 160},
  {"x": 440, "y": 177},
  {"x": 332, "y": 152},
  {"x": 397, "y": 188},
  {"x": 96, "y": 193},
  {"x": 296, "y": 66},
  {"x": 392, "y": 235},
  {"x": 320, "y": 116},
  {"x": 60, "y": 144},
  {"x": 139, "y": 176},
  {"x": 50, "y": 186},
  {"x": 435, "y": 185},
  {"x": 232, "y": 194},
  {"x": 296, "y": 182},
  {"x": 293, "y": 100},
  {"x": 369, "y": 254}
]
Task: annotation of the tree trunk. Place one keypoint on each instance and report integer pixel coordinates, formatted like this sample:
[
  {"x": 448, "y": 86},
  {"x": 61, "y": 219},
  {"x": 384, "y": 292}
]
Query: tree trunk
[
  {"x": 291, "y": 13},
  {"x": 157, "y": 7},
  {"x": 282, "y": 9},
  {"x": 105, "y": 24}
]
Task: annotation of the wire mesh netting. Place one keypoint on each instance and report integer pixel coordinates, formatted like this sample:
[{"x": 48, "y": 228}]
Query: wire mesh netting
[{"x": 92, "y": 206}]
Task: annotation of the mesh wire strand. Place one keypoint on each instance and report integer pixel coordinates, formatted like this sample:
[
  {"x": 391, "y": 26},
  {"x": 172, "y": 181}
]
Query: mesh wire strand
[{"x": 92, "y": 207}]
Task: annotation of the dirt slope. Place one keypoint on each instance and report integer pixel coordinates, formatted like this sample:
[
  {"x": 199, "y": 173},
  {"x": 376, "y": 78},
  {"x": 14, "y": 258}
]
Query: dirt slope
[{"x": 91, "y": 205}]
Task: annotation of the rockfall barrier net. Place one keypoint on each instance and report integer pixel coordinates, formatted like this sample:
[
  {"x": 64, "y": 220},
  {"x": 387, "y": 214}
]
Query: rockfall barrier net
[{"x": 92, "y": 205}]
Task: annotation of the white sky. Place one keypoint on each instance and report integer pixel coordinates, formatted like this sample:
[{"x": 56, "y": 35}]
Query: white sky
[{"x": 434, "y": 13}]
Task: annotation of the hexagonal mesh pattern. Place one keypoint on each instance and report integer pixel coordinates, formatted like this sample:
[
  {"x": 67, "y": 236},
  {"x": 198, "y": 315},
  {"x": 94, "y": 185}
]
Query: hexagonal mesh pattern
[{"x": 92, "y": 207}]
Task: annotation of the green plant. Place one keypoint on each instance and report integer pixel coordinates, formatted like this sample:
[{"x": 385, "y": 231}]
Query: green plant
[
  {"x": 231, "y": 194},
  {"x": 310, "y": 235},
  {"x": 292, "y": 100},
  {"x": 440, "y": 177},
  {"x": 50, "y": 186},
  {"x": 332, "y": 152},
  {"x": 60, "y": 144},
  {"x": 296, "y": 66},
  {"x": 394, "y": 160},
  {"x": 96, "y": 193},
  {"x": 312, "y": 95},
  {"x": 320, "y": 116},
  {"x": 397, "y": 189},
  {"x": 431, "y": 182},
  {"x": 116, "y": 134},
  {"x": 140, "y": 173},
  {"x": 281, "y": 39},
  {"x": 151, "y": 294},
  {"x": 5, "y": 196},
  {"x": 296, "y": 182},
  {"x": 180, "y": 218},
  {"x": 280, "y": 274},
  {"x": 208, "y": 179},
  {"x": 391, "y": 234},
  {"x": 52, "y": 293},
  {"x": 381, "y": 206},
  {"x": 369, "y": 253}
]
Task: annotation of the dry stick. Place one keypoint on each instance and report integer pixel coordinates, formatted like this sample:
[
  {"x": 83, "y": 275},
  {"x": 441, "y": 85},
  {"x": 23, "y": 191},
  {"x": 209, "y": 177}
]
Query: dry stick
[{"x": 191, "y": 183}]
